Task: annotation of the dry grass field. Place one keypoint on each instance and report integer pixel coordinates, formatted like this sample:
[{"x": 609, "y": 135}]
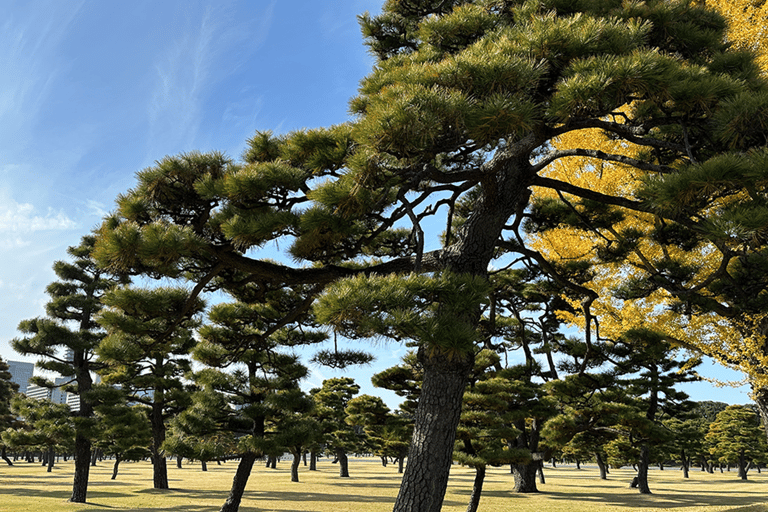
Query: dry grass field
[{"x": 27, "y": 487}]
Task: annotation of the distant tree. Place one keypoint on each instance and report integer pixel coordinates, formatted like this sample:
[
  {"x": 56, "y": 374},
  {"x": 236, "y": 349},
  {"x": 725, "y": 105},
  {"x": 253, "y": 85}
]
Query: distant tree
[
  {"x": 295, "y": 429},
  {"x": 65, "y": 341},
  {"x": 331, "y": 402},
  {"x": 386, "y": 433},
  {"x": 122, "y": 431},
  {"x": 47, "y": 427},
  {"x": 735, "y": 437},
  {"x": 146, "y": 351},
  {"x": 7, "y": 419},
  {"x": 687, "y": 443},
  {"x": 245, "y": 346}
]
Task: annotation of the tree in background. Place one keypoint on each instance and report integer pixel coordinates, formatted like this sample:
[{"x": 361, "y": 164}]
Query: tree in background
[
  {"x": 387, "y": 434},
  {"x": 7, "y": 419},
  {"x": 47, "y": 427},
  {"x": 150, "y": 334},
  {"x": 122, "y": 431},
  {"x": 331, "y": 401},
  {"x": 735, "y": 437},
  {"x": 65, "y": 342}
]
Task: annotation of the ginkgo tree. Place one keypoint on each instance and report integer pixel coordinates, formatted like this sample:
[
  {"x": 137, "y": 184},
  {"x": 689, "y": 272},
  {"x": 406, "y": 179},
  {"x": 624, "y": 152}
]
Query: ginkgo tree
[{"x": 455, "y": 124}]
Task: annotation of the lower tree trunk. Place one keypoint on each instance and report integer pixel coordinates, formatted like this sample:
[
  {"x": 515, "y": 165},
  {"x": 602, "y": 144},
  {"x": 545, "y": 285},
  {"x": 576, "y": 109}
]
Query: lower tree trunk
[
  {"x": 238, "y": 482},
  {"x": 343, "y": 463},
  {"x": 51, "y": 459},
  {"x": 601, "y": 465},
  {"x": 82, "y": 467},
  {"x": 686, "y": 462},
  {"x": 578, "y": 464},
  {"x": 642, "y": 471},
  {"x": 304, "y": 457},
  {"x": 384, "y": 461},
  {"x": 114, "y": 468},
  {"x": 295, "y": 467},
  {"x": 203, "y": 465},
  {"x": 477, "y": 489},
  {"x": 94, "y": 456},
  {"x": 401, "y": 461},
  {"x": 525, "y": 477},
  {"x": 540, "y": 472},
  {"x": 4, "y": 455},
  {"x": 179, "y": 460},
  {"x": 430, "y": 455},
  {"x": 313, "y": 460},
  {"x": 742, "y": 465}
]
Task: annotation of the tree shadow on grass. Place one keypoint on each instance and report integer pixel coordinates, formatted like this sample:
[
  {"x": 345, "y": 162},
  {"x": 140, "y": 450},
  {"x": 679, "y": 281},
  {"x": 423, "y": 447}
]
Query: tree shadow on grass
[{"x": 633, "y": 500}]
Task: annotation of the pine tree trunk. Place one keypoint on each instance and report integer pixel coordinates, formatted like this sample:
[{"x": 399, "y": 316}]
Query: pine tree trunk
[
  {"x": 742, "y": 465},
  {"x": 313, "y": 460},
  {"x": 203, "y": 465},
  {"x": 159, "y": 467},
  {"x": 642, "y": 471},
  {"x": 94, "y": 456},
  {"x": 383, "y": 461},
  {"x": 295, "y": 467},
  {"x": 4, "y": 455},
  {"x": 540, "y": 472},
  {"x": 179, "y": 459},
  {"x": 114, "y": 468},
  {"x": 431, "y": 452},
  {"x": 238, "y": 482},
  {"x": 343, "y": 463},
  {"x": 477, "y": 489},
  {"x": 525, "y": 477},
  {"x": 401, "y": 461},
  {"x": 51, "y": 458},
  {"x": 82, "y": 467},
  {"x": 686, "y": 461}
]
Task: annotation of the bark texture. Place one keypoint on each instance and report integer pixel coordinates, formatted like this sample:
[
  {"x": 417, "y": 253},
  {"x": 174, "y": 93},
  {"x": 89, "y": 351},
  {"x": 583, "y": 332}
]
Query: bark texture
[
  {"x": 477, "y": 489},
  {"x": 238, "y": 483},
  {"x": 431, "y": 452},
  {"x": 82, "y": 468}
]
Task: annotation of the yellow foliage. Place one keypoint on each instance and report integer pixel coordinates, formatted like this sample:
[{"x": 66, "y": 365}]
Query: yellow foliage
[{"x": 723, "y": 340}]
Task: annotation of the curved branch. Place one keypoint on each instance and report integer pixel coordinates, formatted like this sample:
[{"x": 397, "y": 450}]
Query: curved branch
[
  {"x": 562, "y": 186},
  {"x": 601, "y": 155}
]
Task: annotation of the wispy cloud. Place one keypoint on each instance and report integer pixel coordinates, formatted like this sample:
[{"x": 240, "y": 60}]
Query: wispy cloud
[
  {"x": 20, "y": 219},
  {"x": 29, "y": 39},
  {"x": 212, "y": 45}
]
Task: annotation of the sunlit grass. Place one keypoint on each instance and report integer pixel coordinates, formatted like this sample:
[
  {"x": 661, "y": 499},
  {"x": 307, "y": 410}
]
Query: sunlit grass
[{"x": 27, "y": 487}]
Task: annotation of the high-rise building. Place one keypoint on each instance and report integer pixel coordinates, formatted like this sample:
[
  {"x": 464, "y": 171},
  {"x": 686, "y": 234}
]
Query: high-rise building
[{"x": 21, "y": 372}]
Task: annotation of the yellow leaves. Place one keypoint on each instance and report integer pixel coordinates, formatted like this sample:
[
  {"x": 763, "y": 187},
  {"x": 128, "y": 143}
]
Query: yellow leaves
[{"x": 747, "y": 22}]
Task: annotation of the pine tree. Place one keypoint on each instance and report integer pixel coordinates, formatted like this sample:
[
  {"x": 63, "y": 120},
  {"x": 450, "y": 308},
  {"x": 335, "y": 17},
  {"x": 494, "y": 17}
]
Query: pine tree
[
  {"x": 65, "y": 341},
  {"x": 146, "y": 350},
  {"x": 7, "y": 419},
  {"x": 735, "y": 437},
  {"x": 458, "y": 117},
  {"x": 331, "y": 401}
]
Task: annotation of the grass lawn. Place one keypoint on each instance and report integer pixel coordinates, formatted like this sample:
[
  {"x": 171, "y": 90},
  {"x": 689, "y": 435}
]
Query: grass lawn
[{"x": 27, "y": 487}]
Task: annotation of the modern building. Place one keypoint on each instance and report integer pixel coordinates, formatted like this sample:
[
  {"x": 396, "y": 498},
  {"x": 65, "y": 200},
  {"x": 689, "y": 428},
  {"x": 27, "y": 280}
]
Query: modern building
[
  {"x": 21, "y": 372},
  {"x": 55, "y": 395}
]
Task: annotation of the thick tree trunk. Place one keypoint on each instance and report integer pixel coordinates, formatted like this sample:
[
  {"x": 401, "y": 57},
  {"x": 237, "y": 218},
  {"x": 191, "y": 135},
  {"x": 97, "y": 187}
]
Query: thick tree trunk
[
  {"x": 540, "y": 472},
  {"x": 742, "y": 465},
  {"x": 313, "y": 460},
  {"x": 82, "y": 467},
  {"x": 159, "y": 466},
  {"x": 343, "y": 463},
  {"x": 686, "y": 462},
  {"x": 295, "y": 467},
  {"x": 239, "y": 482},
  {"x": 431, "y": 452},
  {"x": 641, "y": 480},
  {"x": 179, "y": 459},
  {"x": 525, "y": 477},
  {"x": 477, "y": 489},
  {"x": 117, "y": 464}
]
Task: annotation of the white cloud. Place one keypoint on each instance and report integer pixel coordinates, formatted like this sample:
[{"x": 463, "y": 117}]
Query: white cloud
[{"x": 17, "y": 219}]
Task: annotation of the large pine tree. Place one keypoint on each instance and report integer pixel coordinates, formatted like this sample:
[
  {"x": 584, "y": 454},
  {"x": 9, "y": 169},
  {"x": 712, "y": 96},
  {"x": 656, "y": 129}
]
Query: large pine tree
[{"x": 457, "y": 119}]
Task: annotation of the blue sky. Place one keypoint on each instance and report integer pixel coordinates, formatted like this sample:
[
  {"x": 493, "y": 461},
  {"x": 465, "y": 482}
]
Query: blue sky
[{"x": 93, "y": 91}]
